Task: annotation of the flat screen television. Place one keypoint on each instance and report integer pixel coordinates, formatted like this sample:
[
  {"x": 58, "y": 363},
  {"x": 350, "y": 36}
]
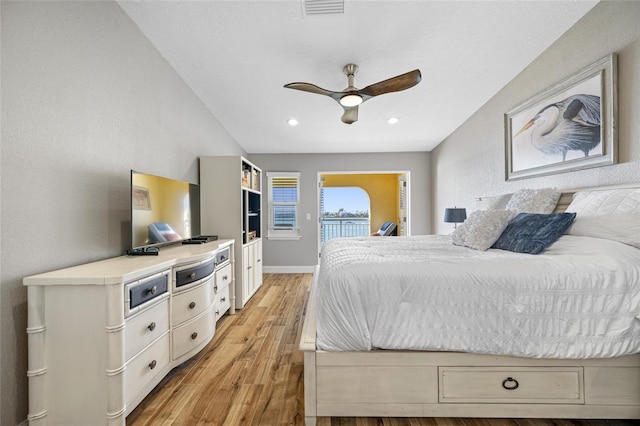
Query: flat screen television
[{"x": 163, "y": 211}]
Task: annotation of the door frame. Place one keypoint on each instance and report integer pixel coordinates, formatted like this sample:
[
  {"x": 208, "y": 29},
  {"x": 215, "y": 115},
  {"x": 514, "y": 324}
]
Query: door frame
[{"x": 407, "y": 179}]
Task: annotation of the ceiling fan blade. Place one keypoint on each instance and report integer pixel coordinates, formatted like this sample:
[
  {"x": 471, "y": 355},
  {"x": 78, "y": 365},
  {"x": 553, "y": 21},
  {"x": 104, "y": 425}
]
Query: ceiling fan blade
[
  {"x": 393, "y": 84},
  {"x": 312, "y": 88},
  {"x": 350, "y": 115}
]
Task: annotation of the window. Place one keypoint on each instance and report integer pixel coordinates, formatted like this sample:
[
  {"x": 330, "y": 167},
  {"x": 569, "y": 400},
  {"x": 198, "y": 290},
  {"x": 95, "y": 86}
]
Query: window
[{"x": 284, "y": 196}]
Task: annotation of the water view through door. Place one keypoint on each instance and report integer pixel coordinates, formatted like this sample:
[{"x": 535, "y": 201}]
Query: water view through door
[{"x": 344, "y": 212}]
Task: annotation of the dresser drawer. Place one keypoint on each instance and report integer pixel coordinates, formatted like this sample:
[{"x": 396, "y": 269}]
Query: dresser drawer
[
  {"x": 223, "y": 276},
  {"x": 142, "y": 368},
  {"x": 191, "y": 303},
  {"x": 188, "y": 336},
  {"x": 145, "y": 327},
  {"x": 222, "y": 256},
  {"x": 189, "y": 274},
  {"x": 517, "y": 385},
  {"x": 222, "y": 301},
  {"x": 141, "y": 293}
]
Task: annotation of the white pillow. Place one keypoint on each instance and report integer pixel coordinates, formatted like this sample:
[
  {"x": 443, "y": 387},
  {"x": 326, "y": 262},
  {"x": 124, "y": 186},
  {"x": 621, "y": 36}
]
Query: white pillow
[
  {"x": 481, "y": 229},
  {"x": 606, "y": 202},
  {"x": 542, "y": 201},
  {"x": 621, "y": 228},
  {"x": 610, "y": 214}
]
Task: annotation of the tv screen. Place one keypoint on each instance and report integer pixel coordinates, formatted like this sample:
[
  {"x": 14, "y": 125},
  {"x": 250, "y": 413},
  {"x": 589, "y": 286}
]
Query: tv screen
[{"x": 163, "y": 210}]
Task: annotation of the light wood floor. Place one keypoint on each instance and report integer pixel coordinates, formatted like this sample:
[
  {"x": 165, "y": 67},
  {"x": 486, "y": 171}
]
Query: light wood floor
[{"x": 252, "y": 373}]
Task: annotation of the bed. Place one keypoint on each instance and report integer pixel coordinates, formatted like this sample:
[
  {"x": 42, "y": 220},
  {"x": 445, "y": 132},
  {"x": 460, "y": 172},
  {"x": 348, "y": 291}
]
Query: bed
[{"x": 403, "y": 346}]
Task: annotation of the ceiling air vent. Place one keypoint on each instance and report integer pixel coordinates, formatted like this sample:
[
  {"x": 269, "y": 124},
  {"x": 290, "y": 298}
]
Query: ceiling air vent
[{"x": 322, "y": 7}]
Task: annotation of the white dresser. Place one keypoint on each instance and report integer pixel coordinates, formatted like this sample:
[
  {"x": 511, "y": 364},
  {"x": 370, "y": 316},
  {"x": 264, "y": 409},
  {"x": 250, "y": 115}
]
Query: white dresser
[{"x": 102, "y": 335}]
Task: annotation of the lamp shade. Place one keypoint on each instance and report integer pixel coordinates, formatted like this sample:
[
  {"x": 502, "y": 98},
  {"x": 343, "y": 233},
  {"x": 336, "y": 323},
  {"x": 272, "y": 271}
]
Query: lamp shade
[{"x": 455, "y": 215}]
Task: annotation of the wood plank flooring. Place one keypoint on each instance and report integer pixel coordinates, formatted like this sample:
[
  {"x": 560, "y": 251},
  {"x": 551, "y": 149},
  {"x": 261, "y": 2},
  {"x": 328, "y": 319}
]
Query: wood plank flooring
[{"x": 252, "y": 374}]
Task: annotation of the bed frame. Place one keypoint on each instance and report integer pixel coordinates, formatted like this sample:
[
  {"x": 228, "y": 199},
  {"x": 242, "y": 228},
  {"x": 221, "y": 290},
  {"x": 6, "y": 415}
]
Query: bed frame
[{"x": 389, "y": 383}]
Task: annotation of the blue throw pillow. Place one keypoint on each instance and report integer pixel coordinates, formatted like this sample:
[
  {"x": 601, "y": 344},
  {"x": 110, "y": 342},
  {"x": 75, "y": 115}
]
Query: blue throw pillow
[{"x": 531, "y": 233}]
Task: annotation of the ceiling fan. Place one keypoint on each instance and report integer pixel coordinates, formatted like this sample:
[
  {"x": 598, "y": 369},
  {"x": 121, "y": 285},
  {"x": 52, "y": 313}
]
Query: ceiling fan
[{"x": 351, "y": 97}]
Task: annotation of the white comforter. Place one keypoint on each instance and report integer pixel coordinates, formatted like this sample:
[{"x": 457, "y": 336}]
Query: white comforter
[{"x": 577, "y": 299}]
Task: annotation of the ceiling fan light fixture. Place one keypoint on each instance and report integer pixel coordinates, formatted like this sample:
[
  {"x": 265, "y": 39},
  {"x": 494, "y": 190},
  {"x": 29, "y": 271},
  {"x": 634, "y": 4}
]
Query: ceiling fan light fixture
[{"x": 350, "y": 100}]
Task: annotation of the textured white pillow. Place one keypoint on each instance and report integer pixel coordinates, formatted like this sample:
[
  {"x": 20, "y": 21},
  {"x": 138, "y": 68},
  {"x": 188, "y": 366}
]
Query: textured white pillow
[
  {"x": 610, "y": 214},
  {"x": 481, "y": 229},
  {"x": 541, "y": 201}
]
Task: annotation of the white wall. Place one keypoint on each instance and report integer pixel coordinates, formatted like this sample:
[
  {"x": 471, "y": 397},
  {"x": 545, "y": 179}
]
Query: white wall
[
  {"x": 470, "y": 163},
  {"x": 85, "y": 98},
  {"x": 305, "y": 251}
]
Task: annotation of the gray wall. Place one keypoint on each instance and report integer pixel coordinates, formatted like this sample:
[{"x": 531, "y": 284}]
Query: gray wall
[
  {"x": 305, "y": 251},
  {"x": 85, "y": 98},
  {"x": 470, "y": 163}
]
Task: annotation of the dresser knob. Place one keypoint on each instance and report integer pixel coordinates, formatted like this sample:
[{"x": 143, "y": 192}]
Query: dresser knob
[
  {"x": 225, "y": 277},
  {"x": 152, "y": 364},
  {"x": 194, "y": 335},
  {"x": 215, "y": 288},
  {"x": 152, "y": 326},
  {"x": 152, "y": 290},
  {"x": 510, "y": 384},
  {"x": 222, "y": 299},
  {"x": 192, "y": 305},
  {"x": 192, "y": 275},
  {"x": 217, "y": 312}
]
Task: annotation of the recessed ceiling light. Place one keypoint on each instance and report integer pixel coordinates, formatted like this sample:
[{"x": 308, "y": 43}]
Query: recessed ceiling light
[
  {"x": 292, "y": 122},
  {"x": 393, "y": 120}
]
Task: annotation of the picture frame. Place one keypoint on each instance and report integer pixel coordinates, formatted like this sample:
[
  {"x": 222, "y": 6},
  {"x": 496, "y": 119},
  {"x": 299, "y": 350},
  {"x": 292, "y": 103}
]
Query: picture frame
[
  {"x": 140, "y": 198},
  {"x": 570, "y": 126}
]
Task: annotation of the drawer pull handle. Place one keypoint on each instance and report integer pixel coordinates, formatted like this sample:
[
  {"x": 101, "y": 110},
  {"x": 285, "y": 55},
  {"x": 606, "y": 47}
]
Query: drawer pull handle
[
  {"x": 152, "y": 290},
  {"x": 192, "y": 305},
  {"x": 223, "y": 258},
  {"x": 215, "y": 288},
  {"x": 217, "y": 312},
  {"x": 152, "y": 326},
  {"x": 223, "y": 299},
  {"x": 192, "y": 275},
  {"x": 225, "y": 277},
  {"x": 152, "y": 364},
  {"x": 194, "y": 335},
  {"x": 510, "y": 384},
  {"x": 249, "y": 267}
]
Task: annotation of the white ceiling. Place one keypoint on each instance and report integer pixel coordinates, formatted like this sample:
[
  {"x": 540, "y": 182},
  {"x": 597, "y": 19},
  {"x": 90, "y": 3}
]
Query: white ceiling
[{"x": 237, "y": 55}]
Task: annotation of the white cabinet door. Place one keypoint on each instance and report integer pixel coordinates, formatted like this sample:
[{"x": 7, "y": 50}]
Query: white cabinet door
[
  {"x": 252, "y": 269},
  {"x": 258, "y": 267},
  {"x": 248, "y": 265}
]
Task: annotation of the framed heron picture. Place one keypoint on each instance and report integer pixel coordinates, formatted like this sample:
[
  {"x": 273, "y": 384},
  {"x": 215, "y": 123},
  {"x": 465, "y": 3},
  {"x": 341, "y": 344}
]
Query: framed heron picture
[{"x": 570, "y": 126}]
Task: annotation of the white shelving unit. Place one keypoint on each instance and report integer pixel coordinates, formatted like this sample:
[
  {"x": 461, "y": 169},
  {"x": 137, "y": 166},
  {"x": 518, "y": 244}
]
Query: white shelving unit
[{"x": 231, "y": 203}]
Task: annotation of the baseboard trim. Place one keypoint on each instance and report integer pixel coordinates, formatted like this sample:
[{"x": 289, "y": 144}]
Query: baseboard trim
[{"x": 288, "y": 269}]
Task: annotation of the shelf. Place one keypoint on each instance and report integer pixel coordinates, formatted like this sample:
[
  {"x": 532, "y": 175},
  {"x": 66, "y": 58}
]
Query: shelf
[{"x": 251, "y": 177}]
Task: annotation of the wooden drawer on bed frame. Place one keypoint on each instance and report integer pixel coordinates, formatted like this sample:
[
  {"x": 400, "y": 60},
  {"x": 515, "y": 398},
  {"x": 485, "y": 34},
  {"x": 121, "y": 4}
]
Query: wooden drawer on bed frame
[{"x": 511, "y": 385}]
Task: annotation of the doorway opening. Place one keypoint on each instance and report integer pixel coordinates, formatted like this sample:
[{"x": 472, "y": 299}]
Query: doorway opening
[{"x": 341, "y": 199}]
